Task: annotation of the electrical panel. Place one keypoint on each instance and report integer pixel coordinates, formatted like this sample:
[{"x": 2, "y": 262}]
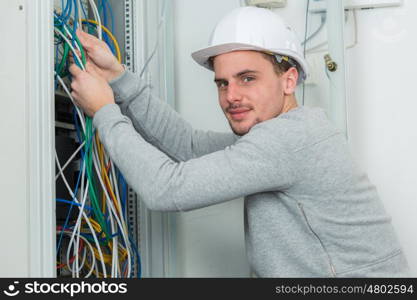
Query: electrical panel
[
  {"x": 126, "y": 238},
  {"x": 95, "y": 233}
]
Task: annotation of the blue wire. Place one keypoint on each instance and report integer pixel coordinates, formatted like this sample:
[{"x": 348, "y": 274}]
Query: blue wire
[
  {"x": 75, "y": 193},
  {"x": 77, "y": 127},
  {"x": 62, "y": 20},
  {"x": 69, "y": 212},
  {"x": 84, "y": 12},
  {"x": 78, "y": 133},
  {"x": 123, "y": 188},
  {"x": 72, "y": 203},
  {"x": 67, "y": 12},
  {"x": 75, "y": 16},
  {"x": 112, "y": 19},
  {"x": 139, "y": 274},
  {"x": 56, "y": 57},
  {"x": 111, "y": 15},
  {"x": 103, "y": 10},
  {"x": 124, "y": 267},
  {"x": 124, "y": 193},
  {"x": 72, "y": 34}
]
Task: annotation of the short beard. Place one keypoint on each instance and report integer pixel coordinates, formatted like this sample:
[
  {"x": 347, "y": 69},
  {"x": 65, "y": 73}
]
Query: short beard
[{"x": 257, "y": 121}]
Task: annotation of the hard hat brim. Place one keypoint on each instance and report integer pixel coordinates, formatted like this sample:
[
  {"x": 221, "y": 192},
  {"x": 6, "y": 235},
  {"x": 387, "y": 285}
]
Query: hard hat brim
[{"x": 202, "y": 56}]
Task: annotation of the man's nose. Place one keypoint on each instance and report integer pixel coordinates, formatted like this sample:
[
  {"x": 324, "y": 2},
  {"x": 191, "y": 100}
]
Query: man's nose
[{"x": 233, "y": 93}]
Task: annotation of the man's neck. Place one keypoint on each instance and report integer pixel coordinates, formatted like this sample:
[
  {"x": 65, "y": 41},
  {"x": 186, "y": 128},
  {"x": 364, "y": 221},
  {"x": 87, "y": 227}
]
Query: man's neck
[{"x": 289, "y": 104}]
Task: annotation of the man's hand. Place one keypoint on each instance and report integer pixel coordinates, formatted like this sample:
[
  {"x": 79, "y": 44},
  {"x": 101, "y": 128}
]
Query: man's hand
[
  {"x": 99, "y": 54},
  {"x": 90, "y": 90}
]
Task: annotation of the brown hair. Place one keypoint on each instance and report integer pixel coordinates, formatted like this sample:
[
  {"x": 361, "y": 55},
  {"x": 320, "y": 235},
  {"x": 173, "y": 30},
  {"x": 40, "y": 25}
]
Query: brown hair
[{"x": 279, "y": 67}]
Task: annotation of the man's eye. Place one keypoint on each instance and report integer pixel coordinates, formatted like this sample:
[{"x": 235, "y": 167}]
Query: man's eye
[
  {"x": 248, "y": 79},
  {"x": 221, "y": 84}
]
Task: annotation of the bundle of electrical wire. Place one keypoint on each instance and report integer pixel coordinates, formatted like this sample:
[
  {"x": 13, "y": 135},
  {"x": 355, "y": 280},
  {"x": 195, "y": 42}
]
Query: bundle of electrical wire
[{"x": 98, "y": 241}]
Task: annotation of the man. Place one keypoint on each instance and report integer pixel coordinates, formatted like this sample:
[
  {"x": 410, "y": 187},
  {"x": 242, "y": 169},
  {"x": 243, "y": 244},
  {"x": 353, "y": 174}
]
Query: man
[{"x": 309, "y": 212}]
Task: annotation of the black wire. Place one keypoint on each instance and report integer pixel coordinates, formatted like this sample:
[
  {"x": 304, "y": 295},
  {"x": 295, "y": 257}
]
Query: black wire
[{"x": 305, "y": 38}]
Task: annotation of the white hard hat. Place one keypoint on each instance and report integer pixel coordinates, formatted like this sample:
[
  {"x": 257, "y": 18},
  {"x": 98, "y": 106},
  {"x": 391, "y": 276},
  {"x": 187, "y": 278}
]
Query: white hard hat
[{"x": 253, "y": 28}]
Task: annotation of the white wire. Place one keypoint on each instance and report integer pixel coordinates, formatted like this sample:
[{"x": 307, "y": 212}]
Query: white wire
[
  {"x": 76, "y": 268},
  {"x": 71, "y": 47},
  {"x": 68, "y": 233},
  {"x": 123, "y": 228},
  {"x": 95, "y": 160},
  {"x": 70, "y": 159},
  {"x": 79, "y": 15},
  {"x": 83, "y": 260},
  {"x": 80, "y": 115},
  {"x": 113, "y": 182},
  {"x": 77, "y": 228},
  {"x": 75, "y": 271},
  {"x": 71, "y": 37},
  {"x": 121, "y": 223},
  {"x": 93, "y": 264},
  {"x": 96, "y": 269},
  {"x": 112, "y": 209},
  {"x": 113, "y": 233},
  {"x": 84, "y": 199},
  {"x": 84, "y": 215},
  {"x": 83, "y": 189},
  {"x": 115, "y": 245},
  {"x": 97, "y": 17}
]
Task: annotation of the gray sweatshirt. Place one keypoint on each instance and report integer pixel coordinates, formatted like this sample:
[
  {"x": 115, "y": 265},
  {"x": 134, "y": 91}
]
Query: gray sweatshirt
[{"x": 309, "y": 211}]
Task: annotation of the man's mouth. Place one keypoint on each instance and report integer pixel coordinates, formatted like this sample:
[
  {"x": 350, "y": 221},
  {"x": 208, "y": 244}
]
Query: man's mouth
[{"x": 238, "y": 114}]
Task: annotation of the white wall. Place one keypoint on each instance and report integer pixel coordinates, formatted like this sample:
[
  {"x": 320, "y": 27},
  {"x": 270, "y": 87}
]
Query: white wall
[
  {"x": 381, "y": 121},
  {"x": 382, "y": 106},
  {"x": 210, "y": 241},
  {"x": 13, "y": 159}
]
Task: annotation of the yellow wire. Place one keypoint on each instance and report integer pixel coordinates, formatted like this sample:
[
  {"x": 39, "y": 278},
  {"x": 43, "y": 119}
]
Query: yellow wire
[
  {"x": 96, "y": 226},
  {"x": 101, "y": 158},
  {"x": 105, "y": 177},
  {"x": 108, "y": 257},
  {"x": 116, "y": 45},
  {"x": 100, "y": 146},
  {"x": 122, "y": 251}
]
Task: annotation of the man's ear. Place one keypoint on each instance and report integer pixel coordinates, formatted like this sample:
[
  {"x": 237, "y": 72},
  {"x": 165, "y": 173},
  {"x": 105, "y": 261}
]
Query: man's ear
[{"x": 290, "y": 81}]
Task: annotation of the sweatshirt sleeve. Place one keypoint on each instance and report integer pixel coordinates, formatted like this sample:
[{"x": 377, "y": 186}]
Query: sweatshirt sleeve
[
  {"x": 162, "y": 126},
  {"x": 254, "y": 164}
]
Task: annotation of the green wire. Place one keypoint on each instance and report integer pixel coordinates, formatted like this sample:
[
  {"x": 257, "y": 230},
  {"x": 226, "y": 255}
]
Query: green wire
[
  {"x": 83, "y": 59},
  {"x": 92, "y": 190},
  {"x": 63, "y": 61}
]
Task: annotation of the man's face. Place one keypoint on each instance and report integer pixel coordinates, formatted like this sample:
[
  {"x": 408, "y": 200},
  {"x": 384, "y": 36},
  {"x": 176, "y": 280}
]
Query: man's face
[{"x": 249, "y": 90}]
